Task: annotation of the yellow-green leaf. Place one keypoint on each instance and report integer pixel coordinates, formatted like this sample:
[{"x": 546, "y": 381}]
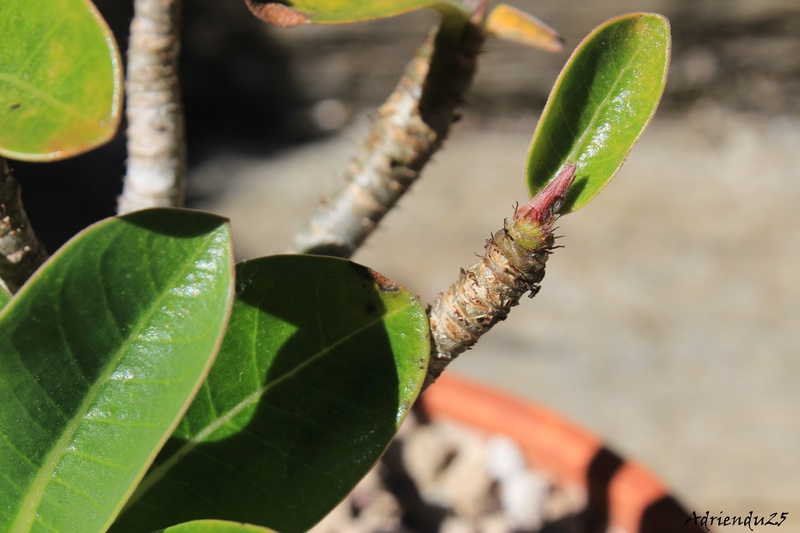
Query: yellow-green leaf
[
  {"x": 216, "y": 526},
  {"x": 295, "y": 12},
  {"x": 60, "y": 79}
]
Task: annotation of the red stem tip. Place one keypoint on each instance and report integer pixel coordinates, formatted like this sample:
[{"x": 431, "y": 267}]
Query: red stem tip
[{"x": 545, "y": 205}]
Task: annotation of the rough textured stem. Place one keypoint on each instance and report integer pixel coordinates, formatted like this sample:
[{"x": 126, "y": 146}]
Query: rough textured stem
[
  {"x": 483, "y": 296},
  {"x": 21, "y": 253},
  {"x": 512, "y": 265},
  {"x": 156, "y": 173},
  {"x": 411, "y": 126}
]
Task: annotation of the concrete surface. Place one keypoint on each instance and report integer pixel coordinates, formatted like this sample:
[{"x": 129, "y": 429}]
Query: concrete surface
[{"x": 668, "y": 322}]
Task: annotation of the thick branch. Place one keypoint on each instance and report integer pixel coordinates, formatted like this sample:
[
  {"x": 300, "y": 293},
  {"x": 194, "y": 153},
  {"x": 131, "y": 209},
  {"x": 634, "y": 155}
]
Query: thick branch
[
  {"x": 156, "y": 173},
  {"x": 411, "y": 126},
  {"x": 21, "y": 253},
  {"x": 513, "y": 264}
]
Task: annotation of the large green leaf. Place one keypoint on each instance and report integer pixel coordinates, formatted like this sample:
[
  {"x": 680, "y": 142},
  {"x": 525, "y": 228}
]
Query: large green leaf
[
  {"x": 60, "y": 79},
  {"x": 320, "y": 364},
  {"x": 295, "y": 12},
  {"x": 100, "y": 354},
  {"x": 600, "y": 105},
  {"x": 216, "y": 526}
]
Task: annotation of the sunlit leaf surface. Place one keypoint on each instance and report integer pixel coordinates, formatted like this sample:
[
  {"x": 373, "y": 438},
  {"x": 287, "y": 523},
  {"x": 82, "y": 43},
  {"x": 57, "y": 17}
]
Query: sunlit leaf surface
[
  {"x": 100, "y": 354},
  {"x": 60, "y": 79},
  {"x": 295, "y": 12},
  {"x": 600, "y": 105}
]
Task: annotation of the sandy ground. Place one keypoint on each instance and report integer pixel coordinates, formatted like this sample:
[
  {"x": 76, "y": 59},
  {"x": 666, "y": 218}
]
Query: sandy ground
[{"x": 667, "y": 323}]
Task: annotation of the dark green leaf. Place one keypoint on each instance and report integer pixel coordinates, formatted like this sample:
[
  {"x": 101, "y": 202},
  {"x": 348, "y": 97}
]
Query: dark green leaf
[
  {"x": 60, "y": 79},
  {"x": 4, "y": 298},
  {"x": 320, "y": 364},
  {"x": 100, "y": 354},
  {"x": 600, "y": 105},
  {"x": 294, "y": 12},
  {"x": 216, "y": 526}
]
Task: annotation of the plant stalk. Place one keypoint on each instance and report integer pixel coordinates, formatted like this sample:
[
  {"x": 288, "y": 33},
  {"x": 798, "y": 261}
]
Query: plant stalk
[
  {"x": 21, "y": 253},
  {"x": 411, "y": 126},
  {"x": 512, "y": 265},
  {"x": 156, "y": 171}
]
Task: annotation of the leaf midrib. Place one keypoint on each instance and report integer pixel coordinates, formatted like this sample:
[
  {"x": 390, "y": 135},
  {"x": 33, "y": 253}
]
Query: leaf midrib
[{"x": 604, "y": 104}]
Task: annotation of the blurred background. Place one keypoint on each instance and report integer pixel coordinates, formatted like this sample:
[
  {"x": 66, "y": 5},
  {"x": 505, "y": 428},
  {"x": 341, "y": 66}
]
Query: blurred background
[{"x": 668, "y": 322}]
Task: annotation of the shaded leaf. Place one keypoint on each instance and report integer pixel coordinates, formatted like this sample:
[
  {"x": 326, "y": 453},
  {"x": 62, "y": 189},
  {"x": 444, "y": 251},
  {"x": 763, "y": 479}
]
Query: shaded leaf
[
  {"x": 295, "y": 12},
  {"x": 320, "y": 364},
  {"x": 511, "y": 24},
  {"x": 100, "y": 354},
  {"x": 60, "y": 79},
  {"x": 600, "y": 105},
  {"x": 4, "y": 297},
  {"x": 216, "y": 526}
]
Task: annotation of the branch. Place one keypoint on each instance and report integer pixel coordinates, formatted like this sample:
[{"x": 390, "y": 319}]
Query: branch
[
  {"x": 411, "y": 126},
  {"x": 21, "y": 253},
  {"x": 156, "y": 174},
  {"x": 513, "y": 264}
]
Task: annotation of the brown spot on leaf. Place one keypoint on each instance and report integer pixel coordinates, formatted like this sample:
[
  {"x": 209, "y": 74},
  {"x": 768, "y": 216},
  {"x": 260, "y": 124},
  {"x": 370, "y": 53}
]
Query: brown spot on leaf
[
  {"x": 12, "y": 107},
  {"x": 277, "y": 13},
  {"x": 384, "y": 283}
]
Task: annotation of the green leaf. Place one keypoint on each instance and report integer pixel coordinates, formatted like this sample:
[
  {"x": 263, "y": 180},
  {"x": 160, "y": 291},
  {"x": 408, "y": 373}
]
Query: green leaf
[
  {"x": 60, "y": 79},
  {"x": 320, "y": 364},
  {"x": 600, "y": 105},
  {"x": 100, "y": 355},
  {"x": 216, "y": 526},
  {"x": 4, "y": 297},
  {"x": 295, "y": 12}
]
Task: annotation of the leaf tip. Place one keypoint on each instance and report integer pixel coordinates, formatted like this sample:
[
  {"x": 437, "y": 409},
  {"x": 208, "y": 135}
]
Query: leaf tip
[{"x": 512, "y": 24}]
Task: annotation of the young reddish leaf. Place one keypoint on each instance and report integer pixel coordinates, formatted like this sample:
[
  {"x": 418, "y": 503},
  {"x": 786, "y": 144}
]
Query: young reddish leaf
[{"x": 543, "y": 208}]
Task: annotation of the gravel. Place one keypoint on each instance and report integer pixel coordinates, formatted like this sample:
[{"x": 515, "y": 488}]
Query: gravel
[{"x": 447, "y": 478}]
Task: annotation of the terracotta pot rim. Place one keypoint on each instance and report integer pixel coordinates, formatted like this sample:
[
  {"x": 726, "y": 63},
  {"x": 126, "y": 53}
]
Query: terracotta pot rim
[{"x": 619, "y": 492}]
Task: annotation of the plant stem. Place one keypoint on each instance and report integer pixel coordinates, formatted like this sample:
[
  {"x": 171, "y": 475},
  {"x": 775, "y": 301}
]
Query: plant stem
[
  {"x": 156, "y": 174},
  {"x": 513, "y": 264},
  {"x": 411, "y": 126},
  {"x": 21, "y": 253}
]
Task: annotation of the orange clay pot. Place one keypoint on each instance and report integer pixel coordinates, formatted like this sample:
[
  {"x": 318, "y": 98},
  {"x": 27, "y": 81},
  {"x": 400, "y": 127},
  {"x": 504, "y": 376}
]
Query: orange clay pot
[{"x": 619, "y": 493}]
